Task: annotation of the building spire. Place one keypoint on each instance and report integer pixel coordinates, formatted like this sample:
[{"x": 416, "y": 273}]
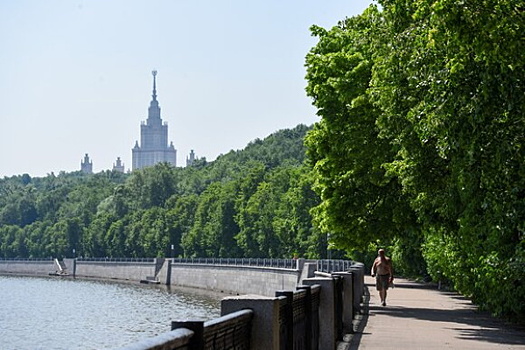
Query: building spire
[{"x": 154, "y": 85}]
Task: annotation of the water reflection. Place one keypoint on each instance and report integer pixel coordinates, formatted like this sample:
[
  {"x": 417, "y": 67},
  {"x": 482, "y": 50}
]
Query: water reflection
[{"x": 63, "y": 313}]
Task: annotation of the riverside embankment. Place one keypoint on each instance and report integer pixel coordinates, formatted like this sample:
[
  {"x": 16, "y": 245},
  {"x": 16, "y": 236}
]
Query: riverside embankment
[
  {"x": 276, "y": 303},
  {"x": 230, "y": 276}
]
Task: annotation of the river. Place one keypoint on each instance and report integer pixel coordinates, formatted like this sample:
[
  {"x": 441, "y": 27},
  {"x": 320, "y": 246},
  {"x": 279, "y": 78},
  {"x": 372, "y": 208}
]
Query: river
[{"x": 64, "y": 313}]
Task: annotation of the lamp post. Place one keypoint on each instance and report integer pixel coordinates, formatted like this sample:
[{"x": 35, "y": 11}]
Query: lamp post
[{"x": 328, "y": 251}]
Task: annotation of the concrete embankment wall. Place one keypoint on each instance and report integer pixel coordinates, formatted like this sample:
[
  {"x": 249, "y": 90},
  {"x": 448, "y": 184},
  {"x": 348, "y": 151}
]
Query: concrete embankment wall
[
  {"x": 28, "y": 267},
  {"x": 228, "y": 279},
  {"x": 234, "y": 279},
  {"x": 128, "y": 271},
  {"x": 221, "y": 278}
]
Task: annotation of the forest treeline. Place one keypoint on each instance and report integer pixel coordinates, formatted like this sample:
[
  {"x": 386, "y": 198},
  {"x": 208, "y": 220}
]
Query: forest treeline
[{"x": 249, "y": 203}]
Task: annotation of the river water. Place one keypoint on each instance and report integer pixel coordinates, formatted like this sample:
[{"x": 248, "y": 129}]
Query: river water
[{"x": 63, "y": 313}]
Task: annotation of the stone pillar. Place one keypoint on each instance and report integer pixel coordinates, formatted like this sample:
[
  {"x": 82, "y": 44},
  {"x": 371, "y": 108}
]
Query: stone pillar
[
  {"x": 348, "y": 301},
  {"x": 168, "y": 273},
  {"x": 358, "y": 272},
  {"x": 308, "y": 317},
  {"x": 307, "y": 271},
  {"x": 299, "y": 263},
  {"x": 287, "y": 316},
  {"x": 197, "y": 340},
  {"x": 265, "y": 323},
  {"x": 327, "y": 314}
]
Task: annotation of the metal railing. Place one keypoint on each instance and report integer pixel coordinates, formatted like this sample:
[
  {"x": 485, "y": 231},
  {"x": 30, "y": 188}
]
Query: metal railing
[
  {"x": 26, "y": 259},
  {"x": 329, "y": 266},
  {"x": 290, "y": 264},
  {"x": 130, "y": 260}
]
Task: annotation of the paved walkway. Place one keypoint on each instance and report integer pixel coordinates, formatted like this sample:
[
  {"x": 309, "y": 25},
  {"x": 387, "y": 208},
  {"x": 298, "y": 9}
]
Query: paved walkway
[{"x": 419, "y": 317}]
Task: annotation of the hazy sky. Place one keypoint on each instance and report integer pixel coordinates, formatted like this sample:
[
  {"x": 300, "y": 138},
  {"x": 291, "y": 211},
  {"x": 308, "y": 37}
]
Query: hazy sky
[{"x": 76, "y": 75}]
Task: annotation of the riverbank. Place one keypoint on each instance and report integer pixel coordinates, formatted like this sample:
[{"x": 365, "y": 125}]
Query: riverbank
[
  {"x": 216, "y": 275},
  {"x": 206, "y": 293}
]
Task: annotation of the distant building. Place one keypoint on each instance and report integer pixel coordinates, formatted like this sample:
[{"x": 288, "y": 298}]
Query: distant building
[
  {"x": 118, "y": 165},
  {"x": 191, "y": 159},
  {"x": 86, "y": 165},
  {"x": 153, "y": 146}
]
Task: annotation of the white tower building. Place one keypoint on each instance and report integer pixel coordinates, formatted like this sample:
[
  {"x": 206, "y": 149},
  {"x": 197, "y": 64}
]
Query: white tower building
[{"x": 153, "y": 146}]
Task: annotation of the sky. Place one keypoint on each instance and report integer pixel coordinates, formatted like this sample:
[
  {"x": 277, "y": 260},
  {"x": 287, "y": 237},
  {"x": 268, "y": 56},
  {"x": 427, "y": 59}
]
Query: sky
[{"x": 76, "y": 75}]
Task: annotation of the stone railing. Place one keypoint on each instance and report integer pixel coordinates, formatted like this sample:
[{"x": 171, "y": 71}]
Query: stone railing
[{"x": 314, "y": 316}]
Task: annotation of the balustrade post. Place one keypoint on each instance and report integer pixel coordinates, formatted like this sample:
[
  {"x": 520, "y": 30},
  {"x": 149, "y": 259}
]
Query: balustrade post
[
  {"x": 287, "y": 317},
  {"x": 308, "y": 316},
  {"x": 358, "y": 280},
  {"x": 265, "y": 327},
  {"x": 327, "y": 327},
  {"x": 338, "y": 303},
  {"x": 348, "y": 301}
]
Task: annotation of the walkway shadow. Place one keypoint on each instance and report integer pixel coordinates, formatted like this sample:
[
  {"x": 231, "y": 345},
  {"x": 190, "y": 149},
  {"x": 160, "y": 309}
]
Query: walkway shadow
[
  {"x": 415, "y": 285},
  {"x": 481, "y": 326},
  {"x": 362, "y": 320}
]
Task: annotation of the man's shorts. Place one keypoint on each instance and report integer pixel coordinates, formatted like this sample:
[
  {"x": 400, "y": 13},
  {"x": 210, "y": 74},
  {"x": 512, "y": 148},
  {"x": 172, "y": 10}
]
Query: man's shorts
[{"x": 382, "y": 282}]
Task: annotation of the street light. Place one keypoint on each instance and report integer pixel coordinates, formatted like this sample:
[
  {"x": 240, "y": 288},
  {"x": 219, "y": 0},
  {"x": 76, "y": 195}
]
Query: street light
[{"x": 328, "y": 251}]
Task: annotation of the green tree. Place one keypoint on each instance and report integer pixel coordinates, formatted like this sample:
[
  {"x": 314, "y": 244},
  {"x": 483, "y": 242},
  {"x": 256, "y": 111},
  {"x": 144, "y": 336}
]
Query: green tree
[
  {"x": 93, "y": 241},
  {"x": 152, "y": 186},
  {"x": 360, "y": 200},
  {"x": 248, "y": 185},
  {"x": 181, "y": 211},
  {"x": 294, "y": 221},
  {"x": 11, "y": 239},
  {"x": 36, "y": 236},
  {"x": 214, "y": 228},
  {"x": 154, "y": 236}
]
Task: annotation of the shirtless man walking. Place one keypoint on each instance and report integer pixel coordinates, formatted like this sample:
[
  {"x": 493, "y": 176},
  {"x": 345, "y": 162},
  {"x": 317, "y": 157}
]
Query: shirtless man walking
[{"x": 383, "y": 271}]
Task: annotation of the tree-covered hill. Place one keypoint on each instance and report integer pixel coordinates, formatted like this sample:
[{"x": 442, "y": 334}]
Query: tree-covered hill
[{"x": 249, "y": 203}]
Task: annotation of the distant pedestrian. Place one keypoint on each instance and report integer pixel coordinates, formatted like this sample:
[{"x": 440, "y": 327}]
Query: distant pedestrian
[{"x": 383, "y": 271}]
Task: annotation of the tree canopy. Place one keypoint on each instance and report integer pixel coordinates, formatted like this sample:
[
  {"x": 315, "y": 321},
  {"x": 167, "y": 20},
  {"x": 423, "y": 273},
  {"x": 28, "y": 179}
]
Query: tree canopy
[{"x": 420, "y": 145}]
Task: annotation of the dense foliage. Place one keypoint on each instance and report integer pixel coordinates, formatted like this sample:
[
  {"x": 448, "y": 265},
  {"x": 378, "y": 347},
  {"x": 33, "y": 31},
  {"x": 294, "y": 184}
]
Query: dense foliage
[
  {"x": 421, "y": 142},
  {"x": 249, "y": 203}
]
